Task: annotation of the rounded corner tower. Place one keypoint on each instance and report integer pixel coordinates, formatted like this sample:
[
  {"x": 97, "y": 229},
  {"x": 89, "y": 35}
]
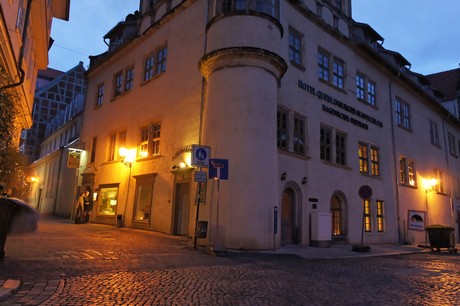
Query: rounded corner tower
[{"x": 242, "y": 70}]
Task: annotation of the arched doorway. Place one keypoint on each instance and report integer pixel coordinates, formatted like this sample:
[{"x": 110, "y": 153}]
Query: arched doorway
[
  {"x": 289, "y": 224},
  {"x": 339, "y": 218}
]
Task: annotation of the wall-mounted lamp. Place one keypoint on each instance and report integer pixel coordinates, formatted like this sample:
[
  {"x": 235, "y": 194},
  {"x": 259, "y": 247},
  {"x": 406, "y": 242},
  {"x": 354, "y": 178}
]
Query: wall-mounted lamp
[
  {"x": 283, "y": 176},
  {"x": 304, "y": 180},
  {"x": 127, "y": 156},
  {"x": 429, "y": 184},
  {"x": 32, "y": 179}
]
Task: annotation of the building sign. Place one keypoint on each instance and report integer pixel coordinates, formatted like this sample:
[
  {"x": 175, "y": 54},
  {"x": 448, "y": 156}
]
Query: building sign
[
  {"x": 416, "y": 220},
  {"x": 341, "y": 110},
  {"x": 73, "y": 159}
]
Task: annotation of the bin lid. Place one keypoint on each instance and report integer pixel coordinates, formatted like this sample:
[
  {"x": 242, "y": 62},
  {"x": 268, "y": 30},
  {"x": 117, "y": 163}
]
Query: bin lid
[{"x": 439, "y": 226}]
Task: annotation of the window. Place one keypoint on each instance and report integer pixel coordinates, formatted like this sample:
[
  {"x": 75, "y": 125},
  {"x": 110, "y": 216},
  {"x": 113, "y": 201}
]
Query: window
[
  {"x": 111, "y": 147},
  {"x": 439, "y": 176},
  {"x": 143, "y": 198},
  {"x": 340, "y": 148},
  {"x": 363, "y": 158},
  {"x": 339, "y": 71},
  {"x": 269, "y": 7},
  {"x": 108, "y": 200},
  {"x": 324, "y": 69},
  {"x": 452, "y": 144},
  {"x": 118, "y": 83},
  {"x": 367, "y": 216},
  {"x": 325, "y": 144},
  {"x": 92, "y": 156},
  {"x": 100, "y": 95},
  {"x": 407, "y": 172},
  {"x": 299, "y": 135},
  {"x": 121, "y": 142},
  {"x": 375, "y": 161},
  {"x": 161, "y": 60},
  {"x": 330, "y": 150},
  {"x": 282, "y": 129},
  {"x": 365, "y": 89},
  {"x": 295, "y": 45},
  {"x": 323, "y": 66},
  {"x": 434, "y": 135},
  {"x": 402, "y": 110},
  {"x": 380, "y": 216},
  {"x": 129, "y": 79},
  {"x": 150, "y": 140},
  {"x": 148, "y": 67}
]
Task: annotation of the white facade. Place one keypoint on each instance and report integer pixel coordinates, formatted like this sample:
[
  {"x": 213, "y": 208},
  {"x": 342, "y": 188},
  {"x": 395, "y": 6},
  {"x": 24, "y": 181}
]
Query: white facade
[{"x": 303, "y": 102}]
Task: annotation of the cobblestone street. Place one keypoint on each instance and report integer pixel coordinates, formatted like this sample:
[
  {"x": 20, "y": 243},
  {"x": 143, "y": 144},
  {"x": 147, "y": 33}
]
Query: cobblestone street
[{"x": 88, "y": 264}]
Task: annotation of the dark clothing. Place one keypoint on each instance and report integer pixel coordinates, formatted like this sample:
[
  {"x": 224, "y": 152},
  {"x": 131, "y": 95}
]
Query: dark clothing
[{"x": 7, "y": 210}]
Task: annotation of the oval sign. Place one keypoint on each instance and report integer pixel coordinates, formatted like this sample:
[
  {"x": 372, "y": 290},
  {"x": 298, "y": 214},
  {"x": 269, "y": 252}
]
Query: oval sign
[{"x": 365, "y": 192}]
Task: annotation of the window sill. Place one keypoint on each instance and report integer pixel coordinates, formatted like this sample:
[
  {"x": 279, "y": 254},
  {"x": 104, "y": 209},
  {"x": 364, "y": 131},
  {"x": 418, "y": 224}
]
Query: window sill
[
  {"x": 148, "y": 158},
  {"x": 297, "y": 65},
  {"x": 379, "y": 177},
  {"x": 293, "y": 154},
  {"x": 329, "y": 163}
]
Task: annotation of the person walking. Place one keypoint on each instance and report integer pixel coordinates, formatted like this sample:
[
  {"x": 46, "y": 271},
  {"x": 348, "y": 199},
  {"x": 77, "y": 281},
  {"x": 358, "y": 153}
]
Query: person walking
[{"x": 7, "y": 210}]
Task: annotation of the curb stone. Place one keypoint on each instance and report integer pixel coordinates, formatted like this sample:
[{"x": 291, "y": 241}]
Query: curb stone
[{"x": 9, "y": 287}]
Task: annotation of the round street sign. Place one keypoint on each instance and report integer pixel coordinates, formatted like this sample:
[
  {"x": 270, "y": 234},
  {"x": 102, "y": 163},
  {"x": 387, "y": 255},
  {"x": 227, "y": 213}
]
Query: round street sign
[{"x": 365, "y": 192}]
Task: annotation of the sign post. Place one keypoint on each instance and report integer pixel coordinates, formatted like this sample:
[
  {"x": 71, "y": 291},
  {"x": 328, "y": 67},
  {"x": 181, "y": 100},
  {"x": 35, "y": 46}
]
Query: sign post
[
  {"x": 218, "y": 170},
  {"x": 365, "y": 193}
]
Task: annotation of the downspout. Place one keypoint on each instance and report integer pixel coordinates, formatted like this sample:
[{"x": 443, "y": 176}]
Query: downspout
[
  {"x": 395, "y": 161},
  {"x": 21, "y": 53},
  {"x": 61, "y": 149},
  {"x": 451, "y": 200}
]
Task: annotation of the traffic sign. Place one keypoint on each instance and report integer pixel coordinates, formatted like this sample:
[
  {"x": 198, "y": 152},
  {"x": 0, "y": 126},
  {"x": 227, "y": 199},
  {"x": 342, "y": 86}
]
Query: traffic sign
[
  {"x": 200, "y": 155},
  {"x": 365, "y": 192},
  {"x": 218, "y": 169},
  {"x": 200, "y": 177}
]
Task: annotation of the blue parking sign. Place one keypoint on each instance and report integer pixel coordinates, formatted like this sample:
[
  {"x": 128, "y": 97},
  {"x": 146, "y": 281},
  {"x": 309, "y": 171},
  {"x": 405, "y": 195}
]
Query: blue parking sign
[{"x": 218, "y": 169}]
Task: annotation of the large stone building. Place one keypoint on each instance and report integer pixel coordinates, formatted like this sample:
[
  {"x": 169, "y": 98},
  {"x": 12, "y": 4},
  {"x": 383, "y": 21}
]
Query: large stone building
[
  {"x": 329, "y": 136},
  {"x": 25, "y": 28}
]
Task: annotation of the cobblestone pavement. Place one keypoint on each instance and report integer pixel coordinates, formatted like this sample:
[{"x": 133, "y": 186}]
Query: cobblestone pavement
[{"x": 90, "y": 264}]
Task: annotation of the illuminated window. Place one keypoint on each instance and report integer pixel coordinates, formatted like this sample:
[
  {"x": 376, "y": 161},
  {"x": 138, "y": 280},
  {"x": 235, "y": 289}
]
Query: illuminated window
[
  {"x": 369, "y": 159},
  {"x": 143, "y": 198},
  {"x": 407, "y": 171},
  {"x": 111, "y": 147},
  {"x": 150, "y": 140},
  {"x": 108, "y": 200},
  {"x": 367, "y": 215},
  {"x": 380, "y": 217}
]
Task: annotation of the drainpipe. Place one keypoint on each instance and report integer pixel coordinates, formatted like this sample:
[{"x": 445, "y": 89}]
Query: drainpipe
[
  {"x": 23, "y": 46},
  {"x": 395, "y": 160}
]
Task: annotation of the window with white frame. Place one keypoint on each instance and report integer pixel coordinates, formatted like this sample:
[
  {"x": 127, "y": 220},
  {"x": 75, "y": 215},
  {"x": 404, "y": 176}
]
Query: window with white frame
[
  {"x": 129, "y": 77},
  {"x": 402, "y": 112},
  {"x": 112, "y": 140},
  {"x": 118, "y": 84},
  {"x": 434, "y": 134},
  {"x": 407, "y": 171},
  {"x": 100, "y": 95},
  {"x": 330, "y": 150},
  {"x": 150, "y": 140},
  {"x": 295, "y": 47},
  {"x": 291, "y": 135},
  {"x": 365, "y": 89},
  {"x": 326, "y": 69},
  {"x": 149, "y": 67},
  {"x": 162, "y": 53}
]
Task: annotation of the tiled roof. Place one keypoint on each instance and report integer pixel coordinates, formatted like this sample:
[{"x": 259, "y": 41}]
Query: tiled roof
[{"x": 448, "y": 82}]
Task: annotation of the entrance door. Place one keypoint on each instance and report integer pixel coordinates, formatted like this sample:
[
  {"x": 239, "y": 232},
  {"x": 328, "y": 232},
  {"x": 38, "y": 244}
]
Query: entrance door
[
  {"x": 338, "y": 214},
  {"x": 181, "y": 209},
  {"x": 289, "y": 230}
]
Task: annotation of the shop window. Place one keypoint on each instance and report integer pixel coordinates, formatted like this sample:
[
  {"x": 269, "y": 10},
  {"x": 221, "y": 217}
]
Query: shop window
[
  {"x": 108, "y": 200},
  {"x": 143, "y": 198}
]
